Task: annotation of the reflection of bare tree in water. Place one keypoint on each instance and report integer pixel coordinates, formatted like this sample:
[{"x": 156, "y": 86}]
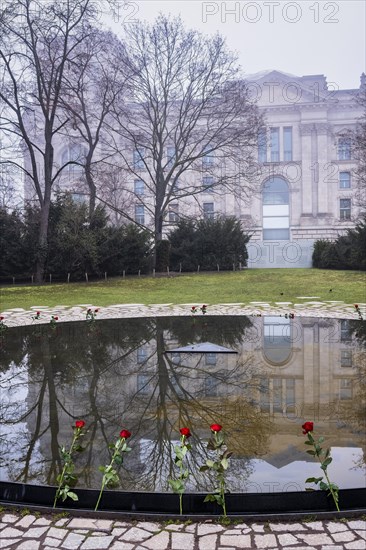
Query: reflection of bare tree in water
[
  {"x": 56, "y": 367},
  {"x": 174, "y": 396},
  {"x": 24, "y": 448},
  {"x": 94, "y": 375}
]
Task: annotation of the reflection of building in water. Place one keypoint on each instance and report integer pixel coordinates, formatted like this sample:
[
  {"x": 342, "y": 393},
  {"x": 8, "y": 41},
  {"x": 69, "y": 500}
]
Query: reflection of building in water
[{"x": 286, "y": 371}]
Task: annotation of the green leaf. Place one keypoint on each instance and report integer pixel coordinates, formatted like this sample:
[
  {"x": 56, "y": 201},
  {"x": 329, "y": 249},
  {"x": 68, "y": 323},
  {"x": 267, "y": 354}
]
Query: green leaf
[
  {"x": 210, "y": 498},
  {"x": 326, "y": 463},
  {"x": 313, "y": 479},
  {"x": 72, "y": 495},
  {"x": 118, "y": 460},
  {"x": 321, "y": 439},
  {"x": 204, "y": 468},
  {"x": 310, "y": 452},
  {"x": 225, "y": 463},
  {"x": 176, "y": 485},
  {"x": 210, "y": 463}
]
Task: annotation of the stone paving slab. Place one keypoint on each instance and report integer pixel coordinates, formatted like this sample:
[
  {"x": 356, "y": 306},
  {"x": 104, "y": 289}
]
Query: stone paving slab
[
  {"x": 82, "y": 533},
  {"x": 340, "y": 310}
]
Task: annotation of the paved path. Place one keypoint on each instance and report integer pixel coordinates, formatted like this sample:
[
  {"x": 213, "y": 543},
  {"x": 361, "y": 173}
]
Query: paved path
[
  {"x": 307, "y": 306},
  {"x": 32, "y": 532}
]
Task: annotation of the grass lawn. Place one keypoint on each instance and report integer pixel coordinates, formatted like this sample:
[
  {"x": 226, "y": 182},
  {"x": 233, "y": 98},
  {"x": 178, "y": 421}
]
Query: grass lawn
[{"x": 245, "y": 286}]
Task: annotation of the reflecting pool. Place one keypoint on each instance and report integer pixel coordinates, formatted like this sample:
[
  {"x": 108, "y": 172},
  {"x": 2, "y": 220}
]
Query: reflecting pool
[{"x": 118, "y": 374}]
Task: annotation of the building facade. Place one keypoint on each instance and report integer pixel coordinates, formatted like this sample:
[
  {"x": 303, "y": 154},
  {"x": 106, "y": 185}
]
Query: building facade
[
  {"x": 305, "y": 187},
  {"x": 305, "y": 165}
]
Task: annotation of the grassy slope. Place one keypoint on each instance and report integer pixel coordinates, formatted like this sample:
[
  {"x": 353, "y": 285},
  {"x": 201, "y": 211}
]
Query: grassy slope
[{"x": 246, "y": 286}]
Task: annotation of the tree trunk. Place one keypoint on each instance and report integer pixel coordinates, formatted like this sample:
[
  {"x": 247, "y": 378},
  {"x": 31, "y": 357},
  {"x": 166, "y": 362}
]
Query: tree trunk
[
  {"x": 158, "y": 235},
  {"x": 42, "y": 247},
  {"x": 92, "y": 187}
]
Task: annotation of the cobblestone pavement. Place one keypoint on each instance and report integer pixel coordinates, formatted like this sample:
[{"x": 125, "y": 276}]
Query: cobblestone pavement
[
  {"x": 35, "y": 532},
  {"x": 308, "y": 306}
]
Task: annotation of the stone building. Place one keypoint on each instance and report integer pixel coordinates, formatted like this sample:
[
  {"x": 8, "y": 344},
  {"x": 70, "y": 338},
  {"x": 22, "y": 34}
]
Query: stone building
[
  {"x": 304, "y": 174},
  {"x": 305, "y": 165}
]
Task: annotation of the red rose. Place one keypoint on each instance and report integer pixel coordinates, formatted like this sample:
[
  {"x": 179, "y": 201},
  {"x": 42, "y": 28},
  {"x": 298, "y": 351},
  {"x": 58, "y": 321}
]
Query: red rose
[
  {"x": 38, "y": 313},
  {"x": 79, "y": 424},
  {"x": 193, "y": 307},
  {"x": 204, "y": 306},
  {"x": 125, "y": 434},
  {"x": 56, "y": 318},
  {"x": 96, "y": 310},
  {"x": 216, "y": 428},
  {"x": 307, "y": 427},
  {"x": 356, "y": 306},
  {"x": 2, "y": 318},
  {"x": 185, "y": 431}
]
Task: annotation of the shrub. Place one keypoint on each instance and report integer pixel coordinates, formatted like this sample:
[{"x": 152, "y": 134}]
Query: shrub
[
  {"x": 208, "y": 243},
  {"x": 347, "y": 252}
]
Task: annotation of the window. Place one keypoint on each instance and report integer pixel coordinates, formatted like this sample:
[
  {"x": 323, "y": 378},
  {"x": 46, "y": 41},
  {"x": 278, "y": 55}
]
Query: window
[
  {"x": 208, "y": 210},
  {"x": 143, "y": 383},
  {"x": 287, "y": 143},
  {"x": 346, "y": 333},
  {"x": 79, "y": 198},
  {"x": 264, "y": 395},
  {"x": 210, "y": 386},
  {"x": 290, "y": 397},
  {"x": 262, "y": 145},
  {"x": 139, "y": 213},
  {"x": 275, "y": 144},
  {"x": 344, "y": 148},
  {"x": 207, "y": 184},
  {"x": 170, "y": 156},
  {"x": 208, "y": 159},
  {"x": 277, "y": 395},
  {"x": 173, "y": 212},
  {"x": 138, "y": 162},
  {"x": 345, "y": 392},
  {"x": 345, "y": 209},
  {"x": 73, "y": 153},
  {"x": 139, "y": 187},
  {"x": 275, "y": 191},
  {"x": 210, "y": 358},
  {"x": 345, "y": 180},
  {"x": 141, "y": 355},
  {"x": 176, "y": 357},
  {"x": 277, "y": 345},
  {"x": 276, "y": 210},
  {"x": 346, "y": 358}
]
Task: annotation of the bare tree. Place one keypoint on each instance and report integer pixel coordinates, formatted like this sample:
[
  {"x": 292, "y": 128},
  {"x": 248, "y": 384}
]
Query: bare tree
[
  {"x": 38, "y": 39},
  {"x": 93, "y": 82},
  {"x": 190, "y": 118},
  {"x": 359, "y": 149},
  {"x": 10, "y": 190}
]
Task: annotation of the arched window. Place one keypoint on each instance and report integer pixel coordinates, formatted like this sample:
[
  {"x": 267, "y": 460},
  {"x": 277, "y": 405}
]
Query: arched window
[
  {"x": 276, "y": 214},
  {"x": 277, "y": 346}
]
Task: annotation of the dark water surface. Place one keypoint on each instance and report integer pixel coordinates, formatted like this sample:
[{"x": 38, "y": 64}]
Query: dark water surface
[{"x": 116, "y": 374}]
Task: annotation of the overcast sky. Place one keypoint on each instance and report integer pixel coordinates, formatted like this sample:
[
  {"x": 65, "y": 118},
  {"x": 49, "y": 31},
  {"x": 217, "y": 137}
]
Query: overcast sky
[{"x": 303, "y": 37}]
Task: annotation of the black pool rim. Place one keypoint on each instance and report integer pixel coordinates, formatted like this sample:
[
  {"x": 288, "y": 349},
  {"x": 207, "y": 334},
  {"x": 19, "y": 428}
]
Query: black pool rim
[{"x": 137, "y": 505}]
